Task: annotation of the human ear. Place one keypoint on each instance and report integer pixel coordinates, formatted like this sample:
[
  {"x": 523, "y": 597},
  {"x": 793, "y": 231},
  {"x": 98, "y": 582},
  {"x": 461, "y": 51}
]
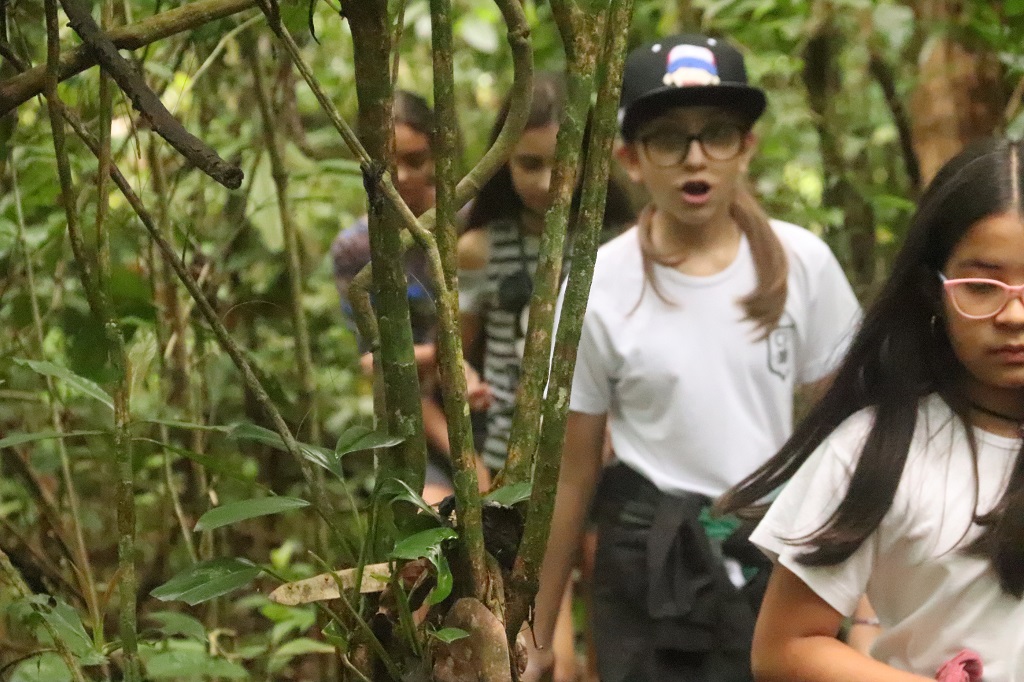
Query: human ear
[{"x": 630, "y": 159}]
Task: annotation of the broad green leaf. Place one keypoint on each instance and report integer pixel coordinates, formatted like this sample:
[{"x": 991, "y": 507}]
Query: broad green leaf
[
  {"x": 398, "y": 489},
  {"x": 427, "y": 544},
  {"x": 445, "y": 581},
  {"x": 357, "y": 438},
  {"x": 191, "y": 665},
  {"x": 218, "y": 465},
  {"x": 79, "y": 383},
  {"x": 174, "y": 624},
  {"x": 68, "y": 626},
  {"x": 207, "y": 580},
  {"x": 1013, "y": 8},
  {"x": 22, "y": 438},
  {"x": 233, "y": 512},
  {"x": 423, "y": 544},
  {"x": 296, "y": 647},
  {"x": 261, "y": 211},
  {"x": 322, "y": 457},
  {"x": 449, "y": 635},
  {"x": 47, "y": 667},
  {"x": 511, "y": 494}
]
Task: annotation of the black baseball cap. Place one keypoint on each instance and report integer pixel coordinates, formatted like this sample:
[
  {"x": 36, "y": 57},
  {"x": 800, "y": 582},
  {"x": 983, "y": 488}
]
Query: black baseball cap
[{"x": 685, "y": 70}]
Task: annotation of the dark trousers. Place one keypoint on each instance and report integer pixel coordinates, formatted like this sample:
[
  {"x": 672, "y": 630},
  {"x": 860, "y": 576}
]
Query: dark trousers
[{"x": 663, "y": 607}]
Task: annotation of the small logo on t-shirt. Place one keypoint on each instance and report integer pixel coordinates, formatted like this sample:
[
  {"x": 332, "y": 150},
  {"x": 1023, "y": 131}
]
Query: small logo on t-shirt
[{"x": 781, "y": 342}]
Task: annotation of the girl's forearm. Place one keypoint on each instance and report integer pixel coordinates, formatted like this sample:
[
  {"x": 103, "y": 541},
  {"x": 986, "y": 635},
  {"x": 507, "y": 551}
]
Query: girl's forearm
[
  {"x": 822, "y": 659},
  {"x": 581, "y": 468},
  {"x": 567, "y": 523}
]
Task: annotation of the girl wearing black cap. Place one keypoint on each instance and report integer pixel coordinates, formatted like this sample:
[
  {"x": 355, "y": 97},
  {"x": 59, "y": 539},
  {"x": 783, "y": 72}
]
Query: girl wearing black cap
[{"x": 702, "y": 321}]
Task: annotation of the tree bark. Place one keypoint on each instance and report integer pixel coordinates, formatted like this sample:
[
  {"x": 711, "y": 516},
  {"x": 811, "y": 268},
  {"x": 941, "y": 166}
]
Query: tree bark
[
  {"x": 961, "y": 92},
  {"x": 822, "y": 78},
  {"x": 23, "y": 87},
  {"x": 371, "y": 36}
]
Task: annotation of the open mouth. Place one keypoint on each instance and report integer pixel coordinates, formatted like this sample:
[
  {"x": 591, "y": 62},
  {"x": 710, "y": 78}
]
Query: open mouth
[{"x": 696, "y": 190}]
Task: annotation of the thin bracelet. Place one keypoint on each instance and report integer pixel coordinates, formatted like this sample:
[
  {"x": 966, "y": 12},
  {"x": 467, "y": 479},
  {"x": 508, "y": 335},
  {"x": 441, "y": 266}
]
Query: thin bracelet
[{"x": 869, "y": 622}]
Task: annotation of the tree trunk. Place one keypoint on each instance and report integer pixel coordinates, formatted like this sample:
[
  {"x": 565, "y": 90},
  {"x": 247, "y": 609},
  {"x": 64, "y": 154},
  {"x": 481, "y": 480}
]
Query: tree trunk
[{"x": 961, "y": 92}]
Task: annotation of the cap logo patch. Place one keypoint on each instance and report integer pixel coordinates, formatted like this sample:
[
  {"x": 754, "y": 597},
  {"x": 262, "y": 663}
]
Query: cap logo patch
[{"x": 690, "y": 65}]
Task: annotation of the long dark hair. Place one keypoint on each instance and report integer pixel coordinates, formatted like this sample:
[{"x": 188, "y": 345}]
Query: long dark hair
[
  {"x": 498, "y": 200},
  {"x": 900, "y": 354},
  {"x": 412, "y": 110}
]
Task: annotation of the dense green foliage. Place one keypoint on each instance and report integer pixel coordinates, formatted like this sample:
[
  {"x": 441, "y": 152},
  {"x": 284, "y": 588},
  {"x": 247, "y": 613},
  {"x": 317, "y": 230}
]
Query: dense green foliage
[{"x": 199, "y": 440}]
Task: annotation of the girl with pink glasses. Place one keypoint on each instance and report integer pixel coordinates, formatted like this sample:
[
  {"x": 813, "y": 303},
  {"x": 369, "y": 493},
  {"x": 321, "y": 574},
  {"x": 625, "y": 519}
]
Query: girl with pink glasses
[{"x": 906, "y": 482}]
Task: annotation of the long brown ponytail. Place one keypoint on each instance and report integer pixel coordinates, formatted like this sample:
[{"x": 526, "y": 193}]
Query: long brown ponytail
[{"x": 765, "y": 304}]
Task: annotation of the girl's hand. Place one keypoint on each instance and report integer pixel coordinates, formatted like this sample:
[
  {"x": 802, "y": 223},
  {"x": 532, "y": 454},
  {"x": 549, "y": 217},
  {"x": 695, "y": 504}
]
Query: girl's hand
[
  {"x": 478, "y": 393},
  {"x": 539, "y": 662}
]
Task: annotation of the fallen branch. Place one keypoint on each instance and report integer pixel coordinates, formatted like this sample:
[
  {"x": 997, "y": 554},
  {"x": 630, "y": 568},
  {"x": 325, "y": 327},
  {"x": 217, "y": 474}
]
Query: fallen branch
[
  {"x": 17, "y": 90},
  {"x": 201, "y": 155}
]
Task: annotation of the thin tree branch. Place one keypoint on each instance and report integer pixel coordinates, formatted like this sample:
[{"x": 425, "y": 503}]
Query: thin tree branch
[
  {"x": 82, "y": 562},
  {"x": 536, "y": 534},
  {"x": 100, "y": 306},
  {"x": 199, "y": 154},
  {"x": 518, "y": 37},
  {"x": 320, "y": 500},
  {"x": 583, "y": 38},
  {"x": 883, "y": 73},
  {"x": 304, "y": 355},
  {"x": 381, "y": 180},
  {"x": 19, "y": 89},
  {"x": 399, "y": 375},
  {"x": 449, "y": 341}
]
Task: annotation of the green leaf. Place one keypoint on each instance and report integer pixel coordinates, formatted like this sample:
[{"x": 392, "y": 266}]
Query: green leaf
[
  {"x": 510, "y": 494},
  {"x": 398, "y": 489},
  {"x": 336, "y": 636},
  {"x": 449, "y": 635},
  {"x": 79, "y": 383},
  {"x": 322, "y": 457},
  {"x": 186, "y": 425},
  {"x": 426, "y": 543},
  {"x": 296, "y": 647},
  {"x": 47, "y": 667},
  {"x": 21, "y": 438},
  {"x": 1013, "y": 8},
  {"x": 174, "y": 624},
  {"x": 191, "y": 665},
  {"x": 229, "y": 468},
  {"x": 207, "y": 580},
  {"x": 357, "y": 438},
  {"x": 445, "y": 580},
  {"x": 233, "y": 512},
  {"x": 68, "y": 626}
]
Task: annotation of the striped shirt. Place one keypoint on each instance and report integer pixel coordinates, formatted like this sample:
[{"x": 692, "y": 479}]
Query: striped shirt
[{"x": 503, "y": 303}]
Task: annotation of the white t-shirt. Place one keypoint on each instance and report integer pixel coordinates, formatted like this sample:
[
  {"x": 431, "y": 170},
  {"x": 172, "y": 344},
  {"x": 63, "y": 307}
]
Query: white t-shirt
[
  {"x": 695, "y": 400},
  {"x": 932, "y": 599}
]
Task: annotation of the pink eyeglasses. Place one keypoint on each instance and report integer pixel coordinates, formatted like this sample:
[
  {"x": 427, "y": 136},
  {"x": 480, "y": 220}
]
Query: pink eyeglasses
[{"x": 980, "y": 299}]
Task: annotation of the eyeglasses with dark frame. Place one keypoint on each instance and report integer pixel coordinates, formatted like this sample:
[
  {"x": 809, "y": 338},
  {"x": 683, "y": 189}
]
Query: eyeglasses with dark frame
[
  {"x": 977, "y": 298},
  {"x": 720, "y": 141}
]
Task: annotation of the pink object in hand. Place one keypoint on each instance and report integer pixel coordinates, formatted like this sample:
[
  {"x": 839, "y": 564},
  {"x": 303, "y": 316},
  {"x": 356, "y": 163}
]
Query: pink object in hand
[{"x": 964, "y": 667}]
